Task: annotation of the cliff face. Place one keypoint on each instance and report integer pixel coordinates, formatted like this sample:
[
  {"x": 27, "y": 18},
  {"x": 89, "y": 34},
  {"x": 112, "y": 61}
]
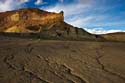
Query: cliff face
[
  {"x": 17, "y": 21},
  {"x": 45, "y": 24}
]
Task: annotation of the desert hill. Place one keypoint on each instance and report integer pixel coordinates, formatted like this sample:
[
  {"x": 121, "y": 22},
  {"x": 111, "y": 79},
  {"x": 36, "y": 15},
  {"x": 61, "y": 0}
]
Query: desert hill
[
  {"x": 118, "y": 36},
  {"x": 43, "y": 23}
]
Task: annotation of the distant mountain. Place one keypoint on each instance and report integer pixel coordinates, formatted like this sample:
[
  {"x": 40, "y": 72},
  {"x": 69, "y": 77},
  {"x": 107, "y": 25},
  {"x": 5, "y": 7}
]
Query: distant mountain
[
  {"x": 118, "y": 36},
  {"x": 33, "y": 20}
]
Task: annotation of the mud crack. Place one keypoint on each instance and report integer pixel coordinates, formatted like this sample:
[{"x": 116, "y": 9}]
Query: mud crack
[
  {"x": 28, "y": 48},
  {"x": 10, "y": 57},
  {"x": 32, "y": 76},
  {"x": 62, "y": 71},
  {"x": 99, "y": 56},
  {"x": 70, "y": 72}
]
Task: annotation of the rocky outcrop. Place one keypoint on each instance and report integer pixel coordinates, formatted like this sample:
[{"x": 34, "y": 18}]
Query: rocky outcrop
[
  {"x": 17, "y": 21},
  {"x": 45, "y": 24}
]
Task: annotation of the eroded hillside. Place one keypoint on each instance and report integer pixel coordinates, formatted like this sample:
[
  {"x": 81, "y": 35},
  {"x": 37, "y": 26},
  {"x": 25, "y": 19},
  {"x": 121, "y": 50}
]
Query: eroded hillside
[
  {"x": 19, "y": 20},
  {"x": 119, "y": 36},
  {"x": 45, "y": 24}
]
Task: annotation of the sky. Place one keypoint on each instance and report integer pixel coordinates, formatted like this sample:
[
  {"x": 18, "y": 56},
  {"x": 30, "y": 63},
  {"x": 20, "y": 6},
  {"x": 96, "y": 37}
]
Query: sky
[{"x": 95, "y": 16}]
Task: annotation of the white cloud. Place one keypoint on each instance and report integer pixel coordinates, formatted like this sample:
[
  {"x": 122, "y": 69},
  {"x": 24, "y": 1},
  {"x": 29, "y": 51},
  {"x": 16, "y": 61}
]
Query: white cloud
[
  {"x": 71, "y": 9},
  {"x": 38, "y": 2},
  {"x": 87, "y": 13},
  {"x": 95, "y": 20},
  {"x": 19, "y": 2},
  {"x": 102, "y": 30},
  {"x": 79, "y": 22},
  {"x": 7, "y": 5}
]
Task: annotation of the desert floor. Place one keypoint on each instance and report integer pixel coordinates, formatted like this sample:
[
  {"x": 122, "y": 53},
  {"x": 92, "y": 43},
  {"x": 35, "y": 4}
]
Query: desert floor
[{"x": 54, "y": 61}]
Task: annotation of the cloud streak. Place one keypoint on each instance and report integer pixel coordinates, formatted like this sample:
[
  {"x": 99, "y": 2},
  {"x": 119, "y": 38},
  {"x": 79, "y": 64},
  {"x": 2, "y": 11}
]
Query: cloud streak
[
  {"x": 7, "y": 5},
  {"x": 19, "y": 2},
  {"x": 38, "y": 2},
  {"x": 102, "y": 30},
  {"x": 70, "y": 9}
]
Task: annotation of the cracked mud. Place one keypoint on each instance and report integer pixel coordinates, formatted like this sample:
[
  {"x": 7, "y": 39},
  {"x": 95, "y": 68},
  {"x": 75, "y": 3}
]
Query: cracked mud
[{"x": 38, "y": 61}]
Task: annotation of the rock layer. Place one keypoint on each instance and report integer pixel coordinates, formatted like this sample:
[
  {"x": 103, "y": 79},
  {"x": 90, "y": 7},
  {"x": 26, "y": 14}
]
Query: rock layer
[
  {"x": 47, "y": 25},
  {"x": 18, "y": 20}
]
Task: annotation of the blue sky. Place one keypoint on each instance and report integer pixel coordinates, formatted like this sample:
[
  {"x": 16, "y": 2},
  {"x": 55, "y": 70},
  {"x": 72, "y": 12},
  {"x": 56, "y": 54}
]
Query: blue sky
[{"x": 95, "y": 16}]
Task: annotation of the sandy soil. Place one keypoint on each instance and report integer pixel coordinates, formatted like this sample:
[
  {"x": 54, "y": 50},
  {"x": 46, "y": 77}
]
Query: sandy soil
[{"x": 51, "y": 61}]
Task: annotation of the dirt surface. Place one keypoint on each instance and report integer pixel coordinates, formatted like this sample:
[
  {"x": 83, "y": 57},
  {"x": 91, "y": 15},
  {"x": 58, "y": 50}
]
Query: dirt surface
[{"x": 51, "y": 61}]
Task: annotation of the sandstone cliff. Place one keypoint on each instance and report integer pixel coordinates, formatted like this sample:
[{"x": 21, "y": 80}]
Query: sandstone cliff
[
  {"x": 18, "y": 20},
  {"x": 46, "y": 24}
]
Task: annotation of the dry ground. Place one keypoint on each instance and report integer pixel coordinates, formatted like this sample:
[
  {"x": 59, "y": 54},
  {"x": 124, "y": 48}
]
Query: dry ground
[{"x": 51, "y": 61}]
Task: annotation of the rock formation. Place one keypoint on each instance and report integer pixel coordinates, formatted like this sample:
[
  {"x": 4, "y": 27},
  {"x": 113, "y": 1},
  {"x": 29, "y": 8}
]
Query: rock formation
[
  {"x": 17, "y": 21},
  {"x": 47, "y": 24}
]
